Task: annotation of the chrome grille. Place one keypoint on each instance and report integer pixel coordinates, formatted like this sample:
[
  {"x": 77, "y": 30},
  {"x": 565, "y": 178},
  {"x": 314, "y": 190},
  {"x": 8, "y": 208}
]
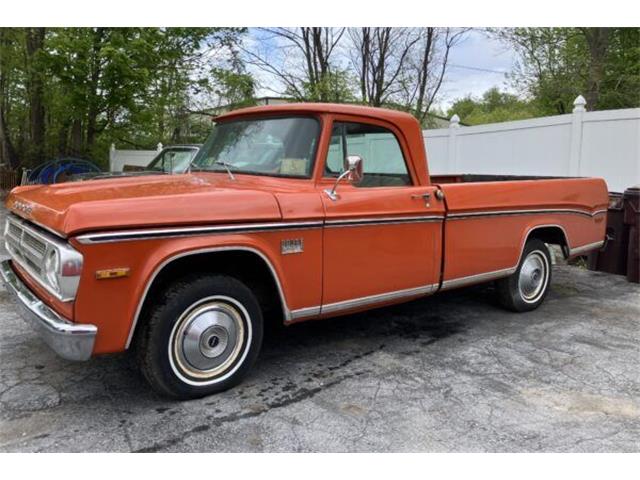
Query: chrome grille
[
  {"x": 26, "y": 246},
  {"x": 34, "y": 244},
  {"x": 29, "y": 247}
]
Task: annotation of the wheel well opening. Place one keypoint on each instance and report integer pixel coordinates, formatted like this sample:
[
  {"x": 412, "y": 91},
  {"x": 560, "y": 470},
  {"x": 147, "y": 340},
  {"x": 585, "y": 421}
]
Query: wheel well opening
[
  {"x": 246, "y": 266},
  {"x": 551, "y": 235}
]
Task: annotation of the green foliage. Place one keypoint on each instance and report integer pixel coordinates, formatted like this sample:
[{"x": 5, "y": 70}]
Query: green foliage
[
  {"x": 234, "y": 87},
  {"x": 494, "y": 106},
  {"x": 132, "y": 86},
  {"x": 333, "y": 86},
  {"x": 621, "y": 84},
  {"x": 558, "y": 64}
]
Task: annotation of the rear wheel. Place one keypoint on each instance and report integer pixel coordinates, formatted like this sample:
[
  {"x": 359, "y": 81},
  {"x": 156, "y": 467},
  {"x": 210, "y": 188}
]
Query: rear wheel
[
  {"x": 526, "y": 289},
  {"x": 201, "y": 336}
]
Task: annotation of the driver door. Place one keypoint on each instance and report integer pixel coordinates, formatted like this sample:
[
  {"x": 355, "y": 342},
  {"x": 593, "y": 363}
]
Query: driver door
[{"x": 382, "y": 237}]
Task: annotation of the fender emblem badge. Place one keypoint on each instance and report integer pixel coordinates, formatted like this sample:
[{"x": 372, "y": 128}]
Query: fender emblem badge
[
  {"x": 23, "y": 207},
  {"x": 289, "y": 246}
]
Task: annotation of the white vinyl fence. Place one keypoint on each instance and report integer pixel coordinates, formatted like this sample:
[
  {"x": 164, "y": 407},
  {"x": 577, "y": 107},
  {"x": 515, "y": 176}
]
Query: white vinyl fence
[
  {"x": 588, "y": 144},
  {"x": 134, "y": 158}
]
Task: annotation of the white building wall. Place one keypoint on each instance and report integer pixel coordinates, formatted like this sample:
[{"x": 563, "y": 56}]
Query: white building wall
[{"x": 135, "y": 158}]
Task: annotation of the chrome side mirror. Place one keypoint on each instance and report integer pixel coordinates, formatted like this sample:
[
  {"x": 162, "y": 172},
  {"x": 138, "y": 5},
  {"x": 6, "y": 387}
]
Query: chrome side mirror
[{"x": 353, "y": 170}]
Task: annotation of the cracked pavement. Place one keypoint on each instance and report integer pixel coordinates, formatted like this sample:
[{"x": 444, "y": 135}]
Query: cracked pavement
[{"x": 453, "y": 372}]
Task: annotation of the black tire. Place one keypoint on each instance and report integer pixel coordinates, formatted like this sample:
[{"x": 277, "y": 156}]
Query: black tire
[
  {"x": 520, "y": 292},
  {"x": 201, "y": 336}
]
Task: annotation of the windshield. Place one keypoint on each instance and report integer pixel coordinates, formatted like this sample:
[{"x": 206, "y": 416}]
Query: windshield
[
  {"x": 281, "y": 147},
  {"x": 173, "y": 159}
]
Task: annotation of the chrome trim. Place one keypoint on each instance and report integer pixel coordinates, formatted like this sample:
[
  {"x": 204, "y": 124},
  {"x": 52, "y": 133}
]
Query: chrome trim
[
  {"x": 567, "y": 245},
  {"x": 287, "y": 312},
  {"x": 70, "y": 340},
  {"x": 305, "y": 312},
  {"x": 496, "y": 213},
  {"x": 155, "y": 233},
  {"x": 479, "y": 278},
  {"x": 355, "y": 222},
  {"x": 586, "y": 248},
  {"x": 505, "y": 272},
  {"x": 352, "y": 169},
  {"x": 379, "y": 298},
  {"x": 31, "y": 220},
  {"x": 48, "y": 229},
  {"x": 68, "y": 285}
]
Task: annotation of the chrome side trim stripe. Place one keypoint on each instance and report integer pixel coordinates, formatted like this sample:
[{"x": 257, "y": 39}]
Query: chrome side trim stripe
[
  {"x": 488, "y": 276},
  {"x": 382, "y": 297},
  {"x": 305, "y": 312},
  {"x": 586, "y": 248},
  {"x": 479, "y": 278},
  {"x": 155, "y": 233},
  {"x": 497, "y": 213},
  {"x": 356, "y": 222},
  {"x": 361, "y": 302}
]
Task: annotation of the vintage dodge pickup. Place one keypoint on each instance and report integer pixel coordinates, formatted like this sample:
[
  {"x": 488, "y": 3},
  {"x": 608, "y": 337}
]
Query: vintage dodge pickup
[{"x": 290, "y": 213}]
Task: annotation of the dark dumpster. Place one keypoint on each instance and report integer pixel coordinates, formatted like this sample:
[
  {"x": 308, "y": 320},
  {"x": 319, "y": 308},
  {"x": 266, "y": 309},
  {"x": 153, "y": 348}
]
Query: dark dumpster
[
  {"x": 613, "y": 258},
  {"x": 631, "y": 200}
]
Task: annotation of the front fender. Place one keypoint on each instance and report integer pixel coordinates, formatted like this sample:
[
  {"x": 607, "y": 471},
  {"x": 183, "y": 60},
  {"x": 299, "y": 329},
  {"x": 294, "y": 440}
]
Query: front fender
[{"x": 114, "y": 304}]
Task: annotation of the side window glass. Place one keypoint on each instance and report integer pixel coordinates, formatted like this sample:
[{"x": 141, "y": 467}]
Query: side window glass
[
  {"x": 384, "y": 164},
  {"x": 336, "y": 154}
]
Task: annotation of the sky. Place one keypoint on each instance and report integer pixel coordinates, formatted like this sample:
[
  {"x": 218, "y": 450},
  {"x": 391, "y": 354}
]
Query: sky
[{"x": 475, "y": 65}]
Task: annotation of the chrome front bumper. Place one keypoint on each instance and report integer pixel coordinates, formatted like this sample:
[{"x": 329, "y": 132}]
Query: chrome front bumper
[{"x": 69, "y": 340}]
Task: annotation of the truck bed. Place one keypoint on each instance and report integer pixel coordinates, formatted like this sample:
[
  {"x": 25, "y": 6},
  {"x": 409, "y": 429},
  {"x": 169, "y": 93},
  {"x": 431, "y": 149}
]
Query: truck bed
[{"x": 489, "y": 216}]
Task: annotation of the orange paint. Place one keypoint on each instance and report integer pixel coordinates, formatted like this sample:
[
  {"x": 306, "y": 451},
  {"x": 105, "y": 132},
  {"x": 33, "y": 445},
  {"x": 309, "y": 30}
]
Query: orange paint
[{"x": 368, "y": 242}]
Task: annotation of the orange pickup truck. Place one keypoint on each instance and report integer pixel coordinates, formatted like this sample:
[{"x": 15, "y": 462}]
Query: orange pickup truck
[{"x": 288, "y": 213}]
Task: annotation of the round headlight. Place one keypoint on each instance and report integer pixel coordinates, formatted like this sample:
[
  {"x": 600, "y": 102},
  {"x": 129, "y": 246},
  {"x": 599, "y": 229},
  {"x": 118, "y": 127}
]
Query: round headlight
[{"x": 51, "y": 268}]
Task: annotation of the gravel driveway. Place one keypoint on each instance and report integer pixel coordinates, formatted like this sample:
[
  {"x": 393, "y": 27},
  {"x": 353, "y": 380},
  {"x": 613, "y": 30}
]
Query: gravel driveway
[{"x": 452, "y": 372}]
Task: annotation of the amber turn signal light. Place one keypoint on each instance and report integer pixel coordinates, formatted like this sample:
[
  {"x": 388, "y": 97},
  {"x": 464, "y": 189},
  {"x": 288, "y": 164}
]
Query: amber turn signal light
[{"x": 112, "y": 273}]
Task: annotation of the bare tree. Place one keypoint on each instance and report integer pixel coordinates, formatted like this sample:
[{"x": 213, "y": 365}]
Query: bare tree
[
  {"x": 304, "y": 60},
  {"x": 397, "y": 67},
  {"x": 378, "y": 56},
  {"x": 428, "y": 66},
  {"x": 402, "y": 67}
]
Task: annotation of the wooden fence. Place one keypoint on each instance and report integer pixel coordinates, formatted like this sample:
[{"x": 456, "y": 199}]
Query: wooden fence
[{"x": 9, "y": 179}]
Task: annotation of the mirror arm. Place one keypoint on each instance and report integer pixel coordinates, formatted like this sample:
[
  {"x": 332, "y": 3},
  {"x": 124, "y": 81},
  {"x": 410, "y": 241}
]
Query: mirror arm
[{"x": 332, "y": 193}]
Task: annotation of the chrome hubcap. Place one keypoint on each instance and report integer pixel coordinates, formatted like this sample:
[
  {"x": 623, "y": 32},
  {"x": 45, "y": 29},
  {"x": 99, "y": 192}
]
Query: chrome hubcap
[
  {"x": 208, "y": 339},
  {"x": 533, "y": 276}
]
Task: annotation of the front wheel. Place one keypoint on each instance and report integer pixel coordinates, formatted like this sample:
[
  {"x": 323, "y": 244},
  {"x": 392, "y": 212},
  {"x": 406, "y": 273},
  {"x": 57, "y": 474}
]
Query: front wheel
[
  {"x": 526, "y": 289},
  {"x": 200, "y": 337}
]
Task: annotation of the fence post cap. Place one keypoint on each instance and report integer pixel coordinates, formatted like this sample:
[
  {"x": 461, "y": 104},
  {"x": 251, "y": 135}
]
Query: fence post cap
[
  {"x": 579, "y": 104},
  {"x": 454, "y": 122},
  {"x": 159, "y": 146},
  {"x": 113, "y": 147}
]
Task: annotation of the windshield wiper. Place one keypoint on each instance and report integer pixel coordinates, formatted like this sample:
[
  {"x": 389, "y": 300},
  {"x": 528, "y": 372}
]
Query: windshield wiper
[{"x": 227, "y": 166}]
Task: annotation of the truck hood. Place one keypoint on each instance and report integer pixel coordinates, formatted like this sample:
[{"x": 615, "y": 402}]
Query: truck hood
[{"x": 163, "y": 200}]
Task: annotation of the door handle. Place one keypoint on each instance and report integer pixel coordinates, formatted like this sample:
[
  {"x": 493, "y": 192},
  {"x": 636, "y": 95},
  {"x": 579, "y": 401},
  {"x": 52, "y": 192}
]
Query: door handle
[{"x": 425, "y": 196}]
